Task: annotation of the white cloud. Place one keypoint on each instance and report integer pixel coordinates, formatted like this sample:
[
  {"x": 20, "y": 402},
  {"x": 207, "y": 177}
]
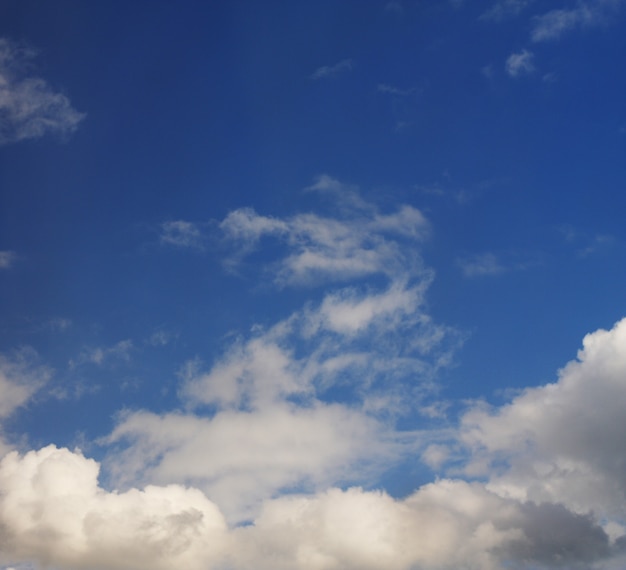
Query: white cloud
[
  {"x": 552, "y": 25},
  {"x": 359, "y": 242},
  {"x": 7, "y": 258},
  {"x": 241, "y": 457},
  {"x": 54, "y": 513},
  {"x": 300, "y": 404},
  {"x": 20, "y": 377},
  {"x": 520, "y": 63},
  {"x": 562, "y": 442},
  {"x": 181, "y": 233},
  {"x": 29, "y": 108},
  {"x": 330, "y": 70}
]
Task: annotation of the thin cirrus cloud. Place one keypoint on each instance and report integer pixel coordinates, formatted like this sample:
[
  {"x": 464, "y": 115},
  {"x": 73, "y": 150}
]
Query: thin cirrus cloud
[
  {"x": 518, "y": 64},
  {"x": 331, "y": 70},
  {"x": 101, "y": 355},
  {"x": 555, "y": 23},
  {"x": 181, "y": 233},
  {"x": 481, "y": 264},
  {"x": 29, "y": 107},
  {"x": 7, "y": 259}
]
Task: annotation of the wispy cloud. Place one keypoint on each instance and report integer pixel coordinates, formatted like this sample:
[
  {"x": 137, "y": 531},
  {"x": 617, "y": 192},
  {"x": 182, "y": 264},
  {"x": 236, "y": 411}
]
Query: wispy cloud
[
  {"x": 326, "y": 248},
  {"x": 331, "y": 70},
  {"x": 182, "y": 233},
  {"x": 21, "y": 375},
  {"x": 552, "y": 25},
  {"x": 283, "y": 389},
  {"x": 481, "y": 264},
  {"x": 102, "y": 355},
  {"x": 7, "y": 258},
  {"x": 521, "y": 63},
  {"x": 489, "y": 263},
  {"x": 392, "y": 90},
  {"x": 29, "y": 107}
]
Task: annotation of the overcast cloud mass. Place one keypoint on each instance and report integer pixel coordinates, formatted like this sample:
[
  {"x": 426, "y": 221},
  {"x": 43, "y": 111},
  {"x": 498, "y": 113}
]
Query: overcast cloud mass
[{"x": 312, "y": 286}]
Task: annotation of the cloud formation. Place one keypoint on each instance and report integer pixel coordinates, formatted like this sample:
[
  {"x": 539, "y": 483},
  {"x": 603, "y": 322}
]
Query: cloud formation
[
  {"x": 270, "y": 459},
  {"x": 331, "y": 70},
  {"x": 29, "y": 107},
  {"x": 7, "y": 258},
  {"x": 555, "y": 23},
  {"x": 53, "y": 512},
  {"x": 520, "y": 63},
  {"x": 181, "y": 233},
  {"x": 562, "y": 442},
  {"x": 306, "y": 400}
]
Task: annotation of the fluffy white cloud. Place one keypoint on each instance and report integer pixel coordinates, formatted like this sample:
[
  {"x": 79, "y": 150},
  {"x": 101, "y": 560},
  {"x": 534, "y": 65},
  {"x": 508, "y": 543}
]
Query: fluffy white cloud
[
  {"x": 53, "y": 512},
  {"x": 302, "y": 403},
  {"x": 29, "y": 108},
  {"x": 240, "y": 457},
  {"x": 563, "y": 442}
]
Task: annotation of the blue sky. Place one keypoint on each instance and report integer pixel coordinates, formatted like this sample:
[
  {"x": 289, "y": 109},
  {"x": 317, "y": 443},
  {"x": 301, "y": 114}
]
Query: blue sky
[{"x": 312, "y": 285}]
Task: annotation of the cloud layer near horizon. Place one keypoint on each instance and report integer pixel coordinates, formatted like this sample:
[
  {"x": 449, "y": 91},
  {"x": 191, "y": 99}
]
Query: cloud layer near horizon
[{"x": 282, "y": 428}]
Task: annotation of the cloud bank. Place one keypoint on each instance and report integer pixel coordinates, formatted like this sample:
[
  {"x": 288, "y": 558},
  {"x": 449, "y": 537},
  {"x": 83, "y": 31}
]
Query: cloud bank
[{"x": 272, "y": 458}]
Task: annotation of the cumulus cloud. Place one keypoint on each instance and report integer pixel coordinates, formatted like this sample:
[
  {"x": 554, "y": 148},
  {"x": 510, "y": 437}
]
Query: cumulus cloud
[
  {"x": 257, "y": 466},
  {"x": 29, "y": 107},
  {"x": 300, "y": 404},
  {"x": 561, "y": 442},
  {"x": 54, "y": 513},
  {"x": 520, "y": 63},
  {"x": 555, "y": 23},
  {"x": 330, "y": 70}
]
